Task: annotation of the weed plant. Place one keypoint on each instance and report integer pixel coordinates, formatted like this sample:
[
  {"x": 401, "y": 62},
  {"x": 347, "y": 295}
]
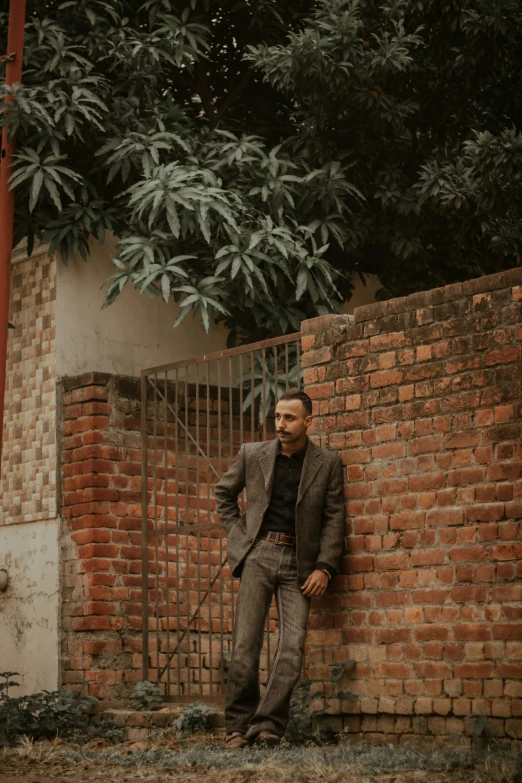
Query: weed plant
[{"x": 48, "y": 714}]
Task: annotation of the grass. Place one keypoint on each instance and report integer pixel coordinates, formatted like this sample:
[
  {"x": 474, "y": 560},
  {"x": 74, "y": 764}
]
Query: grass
[{"x": 360, "y": 762}]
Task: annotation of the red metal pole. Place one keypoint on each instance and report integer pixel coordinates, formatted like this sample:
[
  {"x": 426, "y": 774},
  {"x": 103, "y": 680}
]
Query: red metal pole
[{"x": 14, "y": 56}]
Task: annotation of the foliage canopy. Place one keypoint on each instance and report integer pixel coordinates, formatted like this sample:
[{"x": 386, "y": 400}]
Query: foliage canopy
[{"x": 253, "y": 157}]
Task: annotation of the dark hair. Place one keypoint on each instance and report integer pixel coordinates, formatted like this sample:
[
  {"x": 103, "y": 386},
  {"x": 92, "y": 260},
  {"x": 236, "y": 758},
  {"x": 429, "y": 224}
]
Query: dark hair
[{"x": 295, "y": 394}]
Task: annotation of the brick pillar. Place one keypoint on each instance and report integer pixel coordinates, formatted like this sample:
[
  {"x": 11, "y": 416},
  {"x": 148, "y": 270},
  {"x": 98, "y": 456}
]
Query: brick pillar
[
  {"x": 101, "y": 478},
  {"x": 422, "y": 398}
]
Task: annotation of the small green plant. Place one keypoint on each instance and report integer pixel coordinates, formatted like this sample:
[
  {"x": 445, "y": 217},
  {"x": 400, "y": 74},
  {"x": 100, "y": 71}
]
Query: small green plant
[
  {"x": 8, "y": 683},
  {"x": 46, "y": 715},
  {"x": 307, "y": 724},
  {"x": 146, "y": 696},
  {"x": 193, "y": 719}
]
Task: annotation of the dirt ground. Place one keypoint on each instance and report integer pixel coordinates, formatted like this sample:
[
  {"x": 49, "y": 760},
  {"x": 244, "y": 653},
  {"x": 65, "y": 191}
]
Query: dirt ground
[{"x": 204, "y": 759}]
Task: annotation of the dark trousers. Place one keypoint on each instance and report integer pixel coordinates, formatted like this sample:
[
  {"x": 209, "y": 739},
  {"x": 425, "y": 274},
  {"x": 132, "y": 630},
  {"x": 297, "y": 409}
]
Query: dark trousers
[{"x": 268, "y": 569}]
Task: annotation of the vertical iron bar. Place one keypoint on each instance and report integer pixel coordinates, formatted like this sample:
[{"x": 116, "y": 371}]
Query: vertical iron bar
[
  {"x": 241, "y": 433},
  {"x": 156, "y": 548},
  {"x": 298, "y": 346},
  {"x": 144, "y": 534},
  {"x": 187, "y": 550},
  {"x": 198, "y": 539},
  {"x": 166, "y": 501},
  {"x": 209, "y": 512},
  {"x": 276, "y": 376},
  {"x": 220, "y": 470},
  {"x": 252, "y": 406},
  {"x": 177, "y": 520},
  {"x": 263, "y": 403},
  {"x": 231, "y": 420},
  {"x": 286, "y": 366},
  {"x": 263, "y": 390}
]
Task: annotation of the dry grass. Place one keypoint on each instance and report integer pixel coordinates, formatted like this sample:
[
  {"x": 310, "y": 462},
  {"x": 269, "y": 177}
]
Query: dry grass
[{"x": 347, "y": 763}]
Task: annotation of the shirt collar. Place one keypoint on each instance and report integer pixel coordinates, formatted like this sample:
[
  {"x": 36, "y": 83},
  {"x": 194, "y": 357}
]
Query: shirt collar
[{"x": 299, "y": 454}]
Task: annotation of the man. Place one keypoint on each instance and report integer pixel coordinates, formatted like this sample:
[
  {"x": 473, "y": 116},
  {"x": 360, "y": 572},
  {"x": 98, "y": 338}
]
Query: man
[{"x": 289, "y": 543}]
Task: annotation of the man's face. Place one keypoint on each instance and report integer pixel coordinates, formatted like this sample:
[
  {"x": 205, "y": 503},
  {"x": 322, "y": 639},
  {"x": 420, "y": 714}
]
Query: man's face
[{"x": 291, "y": 421}]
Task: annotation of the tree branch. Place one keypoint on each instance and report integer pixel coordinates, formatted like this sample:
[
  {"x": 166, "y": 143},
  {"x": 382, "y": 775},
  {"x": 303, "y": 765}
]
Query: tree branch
[
  {"x": 204, "y": 92},
  {"x": 233, "y": 94}
]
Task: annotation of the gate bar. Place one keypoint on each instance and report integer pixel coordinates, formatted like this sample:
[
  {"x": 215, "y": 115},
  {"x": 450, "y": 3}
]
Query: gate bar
[
  {"x": 144, "y": 534},
  {"x": 208, "y": 357}
]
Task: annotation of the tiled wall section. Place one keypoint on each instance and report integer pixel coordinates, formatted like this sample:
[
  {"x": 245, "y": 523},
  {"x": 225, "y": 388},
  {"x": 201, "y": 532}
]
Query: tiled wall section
[{"x": 28, "y": 477}]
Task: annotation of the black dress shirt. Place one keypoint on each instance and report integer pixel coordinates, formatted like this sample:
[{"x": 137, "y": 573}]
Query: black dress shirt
[{"x": 280, "y": 514}]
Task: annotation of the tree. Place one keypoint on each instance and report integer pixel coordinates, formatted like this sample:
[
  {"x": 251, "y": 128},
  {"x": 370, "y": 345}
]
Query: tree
[
  {"x": 119, "y": 128},
  {"x": 253, "y": 156},
  {"x": 421, "y": 99}
]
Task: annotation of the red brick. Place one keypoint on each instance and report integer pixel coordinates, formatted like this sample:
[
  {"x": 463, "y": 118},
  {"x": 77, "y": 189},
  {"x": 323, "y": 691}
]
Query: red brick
[
  {"x": 385, "y": 378},
  {"x": 428, "y": 669},
  {"x": 472, "y": 632},
  {"x": 398, "y": 671},
  {"x": 507, "y": 631},
  {"x": 393, "y": 635},
  {"x": 469, "y": 593},
  {"x": 407, "y": 520},
  {"x": 506, "y": 552},
  {"x": 425, "y": 633},
  {"x": 98, "y": 551},
  {"x": 462, "y": 476},
  {"x": 487, "y": 532},
  {"x": 474, "y": 670},
  {"x": 453, "y": 652},
  {"x": 90, "y": 624},
  {"x": 485, "y": 512},
  {"x": 389, "y": 451},
  {"x": 395, "y": 561},
  {"x": 384, "y": 342},
  {"x": 95, "y": 564},
  {"x": 444, "y": 516},
  {"x": 434, "y": 596},
  {"x": 397, "y": 598},
  {"x": 514, "y": 509},
  {"x": 468, "y": 553},
  {"x": 423, "y": 557},
  {"x": 320, "y": 390},
  {"x": 358, "y": 562},
  {"x": 502, "y": 356},
  {"x": 512, "y": 671},
  {"x": 507, "y": 592},
  {"x": 357, "y": 635}
]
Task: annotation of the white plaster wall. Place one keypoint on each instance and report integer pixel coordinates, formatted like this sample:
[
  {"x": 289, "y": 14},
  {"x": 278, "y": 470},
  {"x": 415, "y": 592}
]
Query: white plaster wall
[
  {"x": 363, "y": 293},
  {"x": 132, "y": 334},
  {"x": 29, "y": 608},
  {"x": 136, "y": 331}
]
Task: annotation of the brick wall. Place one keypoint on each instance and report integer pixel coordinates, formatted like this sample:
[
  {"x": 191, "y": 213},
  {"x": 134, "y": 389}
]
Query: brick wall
[{"x": 421, "y": 397}]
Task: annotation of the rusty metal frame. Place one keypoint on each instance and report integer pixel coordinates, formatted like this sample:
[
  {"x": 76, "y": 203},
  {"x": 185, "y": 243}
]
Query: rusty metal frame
[{"x": 161, "y": 397}]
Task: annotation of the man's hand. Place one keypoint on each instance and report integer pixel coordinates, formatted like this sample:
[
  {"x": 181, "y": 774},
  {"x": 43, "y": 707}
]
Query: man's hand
[{"x": 316, "y": 583}]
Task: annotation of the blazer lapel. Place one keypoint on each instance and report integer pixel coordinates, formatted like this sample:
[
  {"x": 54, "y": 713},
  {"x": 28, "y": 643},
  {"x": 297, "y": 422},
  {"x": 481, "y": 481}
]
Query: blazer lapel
[
  {"x": 312, "y": 462},
  {"x": 266, "y": 459}
]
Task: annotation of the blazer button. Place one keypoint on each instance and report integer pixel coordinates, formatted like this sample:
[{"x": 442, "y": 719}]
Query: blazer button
[{"x": 250, "y": 539}]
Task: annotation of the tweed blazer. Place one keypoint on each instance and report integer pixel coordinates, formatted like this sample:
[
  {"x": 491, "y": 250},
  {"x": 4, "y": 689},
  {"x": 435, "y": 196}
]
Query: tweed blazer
[{"x": 319, "y": 514}]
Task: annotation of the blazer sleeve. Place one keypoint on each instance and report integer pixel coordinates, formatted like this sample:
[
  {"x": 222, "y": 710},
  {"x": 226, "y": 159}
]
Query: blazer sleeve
[
  {"x": 332, "y": 531},
  {"x": 227, "y": 490}
]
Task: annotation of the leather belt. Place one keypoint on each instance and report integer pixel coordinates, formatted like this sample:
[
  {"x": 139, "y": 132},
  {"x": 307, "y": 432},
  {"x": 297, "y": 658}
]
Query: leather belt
[{"x": 278, "y": 538}]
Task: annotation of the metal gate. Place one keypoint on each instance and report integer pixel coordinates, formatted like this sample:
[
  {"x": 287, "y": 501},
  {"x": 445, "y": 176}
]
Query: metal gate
[{"x": 195, "y": 415}]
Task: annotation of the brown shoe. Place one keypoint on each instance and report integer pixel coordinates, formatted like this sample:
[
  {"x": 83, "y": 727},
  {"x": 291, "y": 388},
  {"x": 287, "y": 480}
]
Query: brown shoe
[
  {"x": 235, "y": 741},
  {"x": 267, "y": 737}
]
